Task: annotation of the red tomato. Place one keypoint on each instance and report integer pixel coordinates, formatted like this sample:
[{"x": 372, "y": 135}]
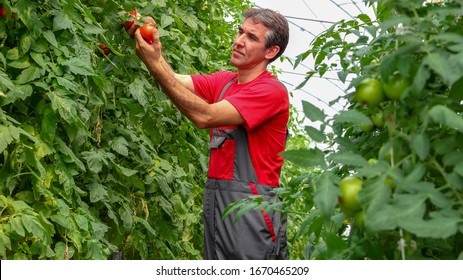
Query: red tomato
[
  {"x": 105, "y": 49},
  {"x": 147, "y": 31},
  {"x": 2, "y": 11}
]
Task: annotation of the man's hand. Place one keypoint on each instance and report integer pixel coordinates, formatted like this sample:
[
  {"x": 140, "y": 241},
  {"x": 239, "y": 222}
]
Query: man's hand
[{"x": 150, "y": 54}]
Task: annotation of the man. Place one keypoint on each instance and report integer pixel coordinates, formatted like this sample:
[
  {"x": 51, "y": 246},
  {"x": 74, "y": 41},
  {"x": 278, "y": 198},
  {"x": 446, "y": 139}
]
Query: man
[{"x": 247, "y": 113}]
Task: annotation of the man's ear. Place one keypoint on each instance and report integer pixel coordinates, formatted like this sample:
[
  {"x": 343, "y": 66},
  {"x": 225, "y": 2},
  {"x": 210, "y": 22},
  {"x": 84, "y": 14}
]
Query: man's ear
[{"x": 271, "y": 52}]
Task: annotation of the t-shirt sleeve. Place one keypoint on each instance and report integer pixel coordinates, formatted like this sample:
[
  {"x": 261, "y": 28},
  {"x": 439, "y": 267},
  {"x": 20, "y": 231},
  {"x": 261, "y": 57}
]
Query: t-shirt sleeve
[
  {"x": 260, "y": 102},
  {"x": 208, "y": 86}
]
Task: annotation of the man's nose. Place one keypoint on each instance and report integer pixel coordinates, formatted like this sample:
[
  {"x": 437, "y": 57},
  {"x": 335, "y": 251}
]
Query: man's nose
[{"x": 239, "y": 40}]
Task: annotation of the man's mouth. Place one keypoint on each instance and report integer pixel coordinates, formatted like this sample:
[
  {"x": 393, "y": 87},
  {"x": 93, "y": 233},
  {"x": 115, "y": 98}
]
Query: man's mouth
[{"x": 235, "y": 51}]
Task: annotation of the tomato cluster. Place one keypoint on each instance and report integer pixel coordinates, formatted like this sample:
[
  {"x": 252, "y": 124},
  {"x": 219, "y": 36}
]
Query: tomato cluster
[
  {"x": 372, "y": 91},
  {"x": 104, "y": 50}
]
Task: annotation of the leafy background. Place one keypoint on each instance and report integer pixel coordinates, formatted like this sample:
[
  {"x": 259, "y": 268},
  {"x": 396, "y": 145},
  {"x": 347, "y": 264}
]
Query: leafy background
[{"x": 94, "y": 161}]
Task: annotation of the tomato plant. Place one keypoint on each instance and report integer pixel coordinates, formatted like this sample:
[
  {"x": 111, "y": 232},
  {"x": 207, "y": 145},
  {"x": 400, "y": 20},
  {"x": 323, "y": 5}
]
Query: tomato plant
[
  {"x": 369, "y": 92},
  {"x": 411, "y": 167}
]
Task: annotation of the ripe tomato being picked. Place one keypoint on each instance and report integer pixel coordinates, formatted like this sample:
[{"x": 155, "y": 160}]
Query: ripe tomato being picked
[{"x": 147, "y": 31}]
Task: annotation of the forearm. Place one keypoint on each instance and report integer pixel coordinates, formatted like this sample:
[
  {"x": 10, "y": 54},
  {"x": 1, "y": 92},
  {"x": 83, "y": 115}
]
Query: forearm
[{"x": 189, "y": 104}]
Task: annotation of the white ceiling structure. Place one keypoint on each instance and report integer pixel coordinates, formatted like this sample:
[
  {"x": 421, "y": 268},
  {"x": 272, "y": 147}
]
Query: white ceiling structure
[{"x": 307, "y": 19}]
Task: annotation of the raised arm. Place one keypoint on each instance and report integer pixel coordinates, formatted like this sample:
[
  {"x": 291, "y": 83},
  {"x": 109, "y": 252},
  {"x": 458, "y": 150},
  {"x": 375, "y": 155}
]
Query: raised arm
[{"x": 180, "y": 89}]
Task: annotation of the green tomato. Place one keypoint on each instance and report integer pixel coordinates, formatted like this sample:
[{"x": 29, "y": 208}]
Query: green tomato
[
  {"x": 369, "y": 92},
  {"x": 378, "y": 119},
  {"x": 366, "y": 127},
  {"x": 395, "y": 87},
  {"x": 359, "y": 218},
  {"x": 350, "y": 187},
  {"x": 390, "y": 183}
]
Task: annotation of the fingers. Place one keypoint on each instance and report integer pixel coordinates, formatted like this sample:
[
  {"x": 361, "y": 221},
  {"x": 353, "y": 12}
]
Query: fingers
[{"x": 131, "y": 28}]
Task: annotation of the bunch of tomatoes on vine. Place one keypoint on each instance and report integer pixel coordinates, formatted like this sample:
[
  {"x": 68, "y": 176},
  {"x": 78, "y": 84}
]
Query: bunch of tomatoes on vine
[{"x": 370, "y": 96}]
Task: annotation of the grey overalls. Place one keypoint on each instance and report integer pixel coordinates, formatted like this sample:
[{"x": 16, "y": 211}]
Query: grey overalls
[{"x": 256, "y": 235}]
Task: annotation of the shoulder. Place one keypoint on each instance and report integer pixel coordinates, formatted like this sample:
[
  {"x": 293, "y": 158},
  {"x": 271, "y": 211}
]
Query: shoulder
[{"x": 216, "y": 77}]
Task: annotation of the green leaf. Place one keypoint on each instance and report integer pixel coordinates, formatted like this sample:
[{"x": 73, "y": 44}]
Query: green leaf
[
  {"x": 78, "y": 67},
  {"x": 95, "y": 250},
  {"x": 8, "y": 134},
  {"x": 145, "y": 224},
  {"x": 119, "y": 144},
  {"x": 447, "y": 117},
  {"x": 5, "y": 81},
  {"x": 97, "y": 192},
  {"x": 447, "y": 66},
  {"x": 305, "y": 157},
  {"x": 348, "y": 158},
  {"x": 38, "y": 58},
  {"x": 21, "y": 206},
  {"x": 126, "y": 171},
  {"x": 442, "y": 224},
  {"x": 136, "y": 89},
  {"x": 12, "y": 54},
  {"x": 166, "y": 20},
  {"x": 5, "y": 243},
  {"x": 95, "y": 160},
  {"x": 25, "y": 43},
  {"x": 459, "y": 169},
  {"x": 30, "y": 74},
  {"x": 61, "y": 21},
  {"x": 17, "y": 226},
  {"x": 421, "y": 144},
  {"x": 352, "y": 116},
  {"x": 312, "y": 112},
  {"x": 62, "y": 207},
  {"x": 70, "y": 156},
  {"x": 245, "y": 209},
  {"x": 33, "y": 226},
  {"x": 21, "y": 63},
  {"x": 326, "y": 195},
  {"x": 126, "y": 217},
  {"x": 81, "y": 221},
  {"x": 315, "y": 134},
  {"x": 65, "y": 106}
]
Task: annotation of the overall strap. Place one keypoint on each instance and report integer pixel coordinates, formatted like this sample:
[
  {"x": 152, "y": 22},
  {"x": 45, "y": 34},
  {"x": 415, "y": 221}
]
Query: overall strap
[{"x": 225, "y": 88}]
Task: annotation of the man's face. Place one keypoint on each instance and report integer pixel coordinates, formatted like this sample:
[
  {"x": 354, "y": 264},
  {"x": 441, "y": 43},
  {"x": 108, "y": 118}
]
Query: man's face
[{"x": 249, "y": 45}]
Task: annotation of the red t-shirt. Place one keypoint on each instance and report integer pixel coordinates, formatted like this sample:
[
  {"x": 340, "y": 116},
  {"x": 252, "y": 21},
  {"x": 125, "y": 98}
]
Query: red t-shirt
[{"x": 264, "y": 105}]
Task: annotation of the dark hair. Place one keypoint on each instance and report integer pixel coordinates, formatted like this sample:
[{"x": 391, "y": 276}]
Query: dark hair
[{"x": 277, "y": 23}]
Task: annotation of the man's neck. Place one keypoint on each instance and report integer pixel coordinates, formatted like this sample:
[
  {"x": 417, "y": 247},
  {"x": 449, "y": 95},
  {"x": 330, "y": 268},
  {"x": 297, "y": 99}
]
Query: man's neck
[{"x": 246, "y": 76}]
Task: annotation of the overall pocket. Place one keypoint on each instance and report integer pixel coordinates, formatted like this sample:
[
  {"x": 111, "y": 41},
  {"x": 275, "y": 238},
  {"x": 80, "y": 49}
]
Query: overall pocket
[{"x": 222, "y": 158}]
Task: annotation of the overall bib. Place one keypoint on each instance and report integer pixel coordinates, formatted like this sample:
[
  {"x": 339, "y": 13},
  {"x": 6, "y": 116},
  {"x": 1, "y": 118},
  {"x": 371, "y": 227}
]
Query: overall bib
[{"x": 255, "y": 235}]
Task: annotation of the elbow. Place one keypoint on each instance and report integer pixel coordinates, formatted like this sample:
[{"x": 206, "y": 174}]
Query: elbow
[{"x": 203, "y": 122}]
